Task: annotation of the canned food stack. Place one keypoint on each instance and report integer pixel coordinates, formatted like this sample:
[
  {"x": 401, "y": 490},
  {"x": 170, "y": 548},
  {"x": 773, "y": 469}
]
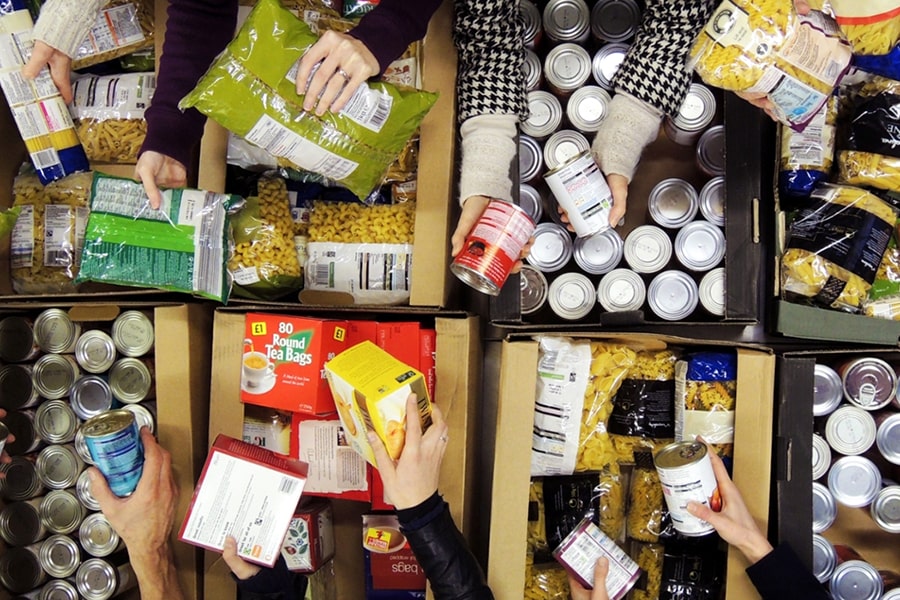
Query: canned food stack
[
  {"x": 61, "y": 383},
  {"x": 669, "y": 265},
  {"x": 856, "y": 463}
]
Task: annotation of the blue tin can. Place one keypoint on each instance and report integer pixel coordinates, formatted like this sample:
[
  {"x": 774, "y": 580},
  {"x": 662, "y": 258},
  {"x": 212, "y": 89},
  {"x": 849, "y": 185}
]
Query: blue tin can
[{"x": 115, "y": 446}]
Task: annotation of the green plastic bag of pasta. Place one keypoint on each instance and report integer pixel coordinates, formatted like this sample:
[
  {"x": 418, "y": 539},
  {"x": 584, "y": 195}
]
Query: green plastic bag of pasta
[{"x": 250, "y": 90}]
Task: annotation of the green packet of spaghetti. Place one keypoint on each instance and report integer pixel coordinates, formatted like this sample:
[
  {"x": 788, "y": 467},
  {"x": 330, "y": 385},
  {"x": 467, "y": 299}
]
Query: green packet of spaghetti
[
  {"x": 8, "y": 220},
  {"x": 250, "y": 90},
  {"x": 181, "y": 247}
]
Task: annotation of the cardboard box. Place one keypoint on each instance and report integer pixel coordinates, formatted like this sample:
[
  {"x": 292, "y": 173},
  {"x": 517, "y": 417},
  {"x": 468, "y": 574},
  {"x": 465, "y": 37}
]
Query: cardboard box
[
  {"x": 309, "y": 543},
  {"x": 512, "y": 464},
  {"x": 458, "y": 367}
]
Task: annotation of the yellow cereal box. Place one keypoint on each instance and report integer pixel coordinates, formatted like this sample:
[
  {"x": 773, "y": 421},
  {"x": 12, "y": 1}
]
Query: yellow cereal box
[{"x": 370, "y": 388}]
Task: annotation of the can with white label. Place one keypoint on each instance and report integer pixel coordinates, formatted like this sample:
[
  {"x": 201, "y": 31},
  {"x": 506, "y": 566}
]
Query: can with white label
[
  {"x": 599, "y": 253},
  {"x": 95, "y": 351},
  {"x": 55, "y": 422},
  {"x": 533, "y": 289},
  {"x": 621, "y": 290},
  {"x": 54, "y": 374},
  {"x": 132, "y": 333},
  {"x": 686, "y": 474},
  {"x": 20, "y": 569},
  {"x": 17, "y": 343},
  {"x": 55, "y": 331},
  {"x": 531, "y": 159},
  {"x": 828, "y": 390},
  {"x": 854, "y": 481},
  {"x": 583, "y": 546},
  {"x": 885, "y": 509},
  {"x": 84, "y": 493},
  {"x": 567, "y": 67},
  {"x": 572, "y": 296},
  {"x": 581, "y": 190},
  {"x": 647, "y": 249},
  {"x": 58, "y": 466},
  {"x": 825, "y": 558},
  {"x": 61, "y": 512},
  {"x": 97, "y": 579},
  {"x": 850, "y": 430},
  {"x": 824, "y": 508},
  {"x": 59, "y": 555},
  {"x": 534, "y": 70},
  {"x": 855, "y": 580},
  {"x": 17, "y": 388},
  {"x": 673, "y": 295},
  {"x": 563, "y": 146},
  {"x": 887, "y": 436},
  {"x": 131, "y": 380},
  {"x": 606, "y": 62},
  {"x": 821, "y": 456},
  {"x": 711, "y": 151},
  {"x": 673, "y": 203},
  {"x": 712, "y": 292},
  {"x": 567, "y": 21},
  {"x": 531, "y": 201},
  {"x": 712, "y": 201},
  {"x": 532, "y": 26},
  {"x": 21, "y": 481},
  {"x": 694, "y": 115},
  {"x": 552, "y": 248},
  {"x": 97, "y": 536},
  {"x": 115, "y": 446},
  {"x": 615, "y": 20},
  {"x": 700, "y": 246},
  {"x": 544, "y": 115},
  {"x": 869, "y": 383},
  {"x": 587, "y": 108}
]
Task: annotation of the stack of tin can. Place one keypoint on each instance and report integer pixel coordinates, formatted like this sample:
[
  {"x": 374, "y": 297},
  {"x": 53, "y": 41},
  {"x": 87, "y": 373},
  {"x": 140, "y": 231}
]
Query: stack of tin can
[
  {"x": 671, "y": 266},
  {"x": 56, "y": 374},
  {"x": 856, "y": 462}
]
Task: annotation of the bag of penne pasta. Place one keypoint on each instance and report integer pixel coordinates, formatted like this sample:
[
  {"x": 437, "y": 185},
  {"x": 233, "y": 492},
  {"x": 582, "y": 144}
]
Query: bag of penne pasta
[
  {"x": 122, "y": 27},
  {"x": 871, "y": 26},
  {"x": 807, "y": 156},
  {"x": 872, "y": 157}
]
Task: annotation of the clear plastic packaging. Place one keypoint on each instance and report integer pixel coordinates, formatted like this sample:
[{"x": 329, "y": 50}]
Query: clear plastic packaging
[
  {"x": 870, "y": 27},
  {"x": 873, "y": 155},
  {"x": 645, "y": 501},
  {"x": 545, "y": 580},
  {"x": 122, "y": 27},
  {"x": 649, "y": 558},
  {"x": 705, "y": 396},
  {"x": 807, "y": 156}
]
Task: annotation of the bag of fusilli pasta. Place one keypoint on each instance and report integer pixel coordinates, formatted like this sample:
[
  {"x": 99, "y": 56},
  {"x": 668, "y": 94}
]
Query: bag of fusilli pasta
[
  {"x": 649, "y": 558},
  {"x": 763, "y": 46},
  {"x": 705, "y": 396},
  {"x": 873, "y": 155},
  {"x": 645, "y": 500},
  {"x": 807, "y": 156}
]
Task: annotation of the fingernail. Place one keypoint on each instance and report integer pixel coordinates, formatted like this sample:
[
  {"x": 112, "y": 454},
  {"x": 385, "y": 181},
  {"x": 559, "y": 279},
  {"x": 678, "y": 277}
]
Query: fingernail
[{"x": 372, "y": 437}]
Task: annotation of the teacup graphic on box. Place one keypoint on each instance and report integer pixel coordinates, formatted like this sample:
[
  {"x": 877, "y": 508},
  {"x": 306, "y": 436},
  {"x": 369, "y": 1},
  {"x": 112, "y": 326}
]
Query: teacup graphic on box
[{"x": 257, "y": 373}]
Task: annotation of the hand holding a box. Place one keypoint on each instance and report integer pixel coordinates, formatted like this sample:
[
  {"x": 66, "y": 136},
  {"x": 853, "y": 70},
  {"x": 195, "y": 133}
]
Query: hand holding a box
[
  {"x": 241, "y": 568},
  {"x": 60, "y": 65}
]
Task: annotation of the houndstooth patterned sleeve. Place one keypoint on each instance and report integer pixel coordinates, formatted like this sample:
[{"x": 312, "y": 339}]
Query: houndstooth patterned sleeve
[
  {"x": 655, "y": 68},
  {"x": 488, "y": 38}
]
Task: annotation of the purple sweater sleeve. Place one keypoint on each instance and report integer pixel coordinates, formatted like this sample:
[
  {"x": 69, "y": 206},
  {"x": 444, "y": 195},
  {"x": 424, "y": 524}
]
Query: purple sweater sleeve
[
  {"x": 389, "y": 28},
  {"x": 196, "y": 32}
]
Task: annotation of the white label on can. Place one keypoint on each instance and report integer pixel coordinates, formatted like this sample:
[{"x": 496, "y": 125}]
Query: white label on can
[
  {"x": 581, "y": 190},
  {"x": 695, "y": 482},
  {"x": 581, "y": 555}
]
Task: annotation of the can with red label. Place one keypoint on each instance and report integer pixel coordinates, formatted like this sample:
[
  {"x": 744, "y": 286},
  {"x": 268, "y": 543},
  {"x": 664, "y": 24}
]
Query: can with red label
[
  {"x": 493, "y": 247},
  {"x": 686, "y": 474}
]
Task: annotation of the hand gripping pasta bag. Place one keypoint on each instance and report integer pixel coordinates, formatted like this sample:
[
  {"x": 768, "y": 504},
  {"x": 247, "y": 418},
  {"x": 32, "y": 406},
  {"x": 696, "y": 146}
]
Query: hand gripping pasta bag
[
  {"x": 871, "y": 26},
  {"x": 705, "y": 396},
  {"x": 807, "y": 156},
  {"x": 250, "y": 90},
  {"x": 181, "y": 247},
  {"x": 763, "y": 46},
  {"x": 835, "y": 243},
  {"x": 872, "y": 157}
]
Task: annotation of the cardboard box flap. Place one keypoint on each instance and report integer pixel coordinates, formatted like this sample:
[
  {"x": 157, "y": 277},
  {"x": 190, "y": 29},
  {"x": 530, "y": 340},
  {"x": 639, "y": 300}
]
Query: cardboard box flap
[{"x": 813, "y": 323}]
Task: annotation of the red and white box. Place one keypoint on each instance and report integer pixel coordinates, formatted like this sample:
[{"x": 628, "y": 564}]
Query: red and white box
[{"x": 309, "y": 542}]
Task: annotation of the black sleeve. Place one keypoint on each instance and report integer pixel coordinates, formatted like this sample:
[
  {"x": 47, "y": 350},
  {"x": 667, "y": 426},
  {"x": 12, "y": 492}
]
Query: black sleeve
[
  {"x": 781, "y": 575},
  {"x": 277, "y": 580}
]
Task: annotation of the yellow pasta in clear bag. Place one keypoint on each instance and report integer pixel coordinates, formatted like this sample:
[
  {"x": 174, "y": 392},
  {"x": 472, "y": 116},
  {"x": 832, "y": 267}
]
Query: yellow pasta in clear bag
[
  {"x": 870, "y": 27},
  {"x": 545, "y": 581},
  {"x": 645, "y": 501},
  {"x": 649, "y": 558},
  {"x": 872, "y": 158}
]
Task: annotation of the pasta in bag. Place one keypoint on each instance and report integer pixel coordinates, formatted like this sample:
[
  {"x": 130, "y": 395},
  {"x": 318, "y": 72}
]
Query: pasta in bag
[
  {"x": 871, "y": 26},
  {"x": 873, "y": 155},
  {"x": 122, "y": 27},
  {"x": 807, "y": 156},
  {"x": 537, "y": 530},
  {"x": 8, "y": 220},
  {"x": 835, "y": 244},
  {"x": 649, "y": 558},
  {"x": 545, "y": 580},
  {"x": 705, "y": 396},
  {"x": 257, "y": 73},
  {"x": 645, "y": 500},
  {"x": 763, "y": 46},
  {"x": 884, "y": 297}
]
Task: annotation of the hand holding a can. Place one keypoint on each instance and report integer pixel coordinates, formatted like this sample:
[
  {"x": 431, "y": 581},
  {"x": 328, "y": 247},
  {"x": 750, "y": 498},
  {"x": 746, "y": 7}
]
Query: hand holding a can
[
  {"x": 472, "y": 210},
  {"x": 618, "y": 186},
  {"x": 579, "y": 592}
]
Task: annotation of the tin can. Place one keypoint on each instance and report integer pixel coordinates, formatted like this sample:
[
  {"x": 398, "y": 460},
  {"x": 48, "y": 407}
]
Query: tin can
[
  {"x": 885, "y": 509},
  {"x": 828, "y": 390},
  {"x": 21, "y": 481},
  {"x": 621, "y": 290},
  {"x": 567, "y": 21},
  {"x": 887, "y": 436},
  {"x": 712, "y": 201},
  {"x": 55, "y": 422},
  {"x": 17, "y": 343},
  {"x": 58, "y": 466},
  {"x": 673, "y": 203},
  {"x": 20, "y": 423},
  {"x": 552, "y": 248},
  {"x": 534, "y": 70},
  {"x": 824, "y": 508},
  {"x": 869, "y": 383},
  {"x": 825, "y": 558},
  {"x": 131, "y": 380},
  {"x": 532, "y": 29},
  {"x": 59, "y": 555},
  {"x": 686, "y": 474},
  {"x": 615, "y": 20},
  {"x": 97, "y": 579},
  {"x": 493, "y": 247},
  {"x": 711, "y": 151},
  {"x": 81, "y": 448},
  {"x": 583, "y": 546},
  {"x": 854, "y": 481},
  {"x": 531, "y": 159},
  {"x": 580, "y": 189},
  {"x": 700, "y": 246},
  {"x": 850, "y": 430},
  {"x": 821, "y": 456},
  {"x": 20, "y": 523},
  {"x": 54, "y": 374},
  {"x": 647, "y": 249},
  {"x": 567, "y": 67},
  {"x": 694, "y": 115},
  {"x": 97, "y": 536},
  {"x": 564, "y": 146},
  {"x": 20, "y": 569},
  {"x": 587, "y": 108},
  {"x": 16, "y": 388},
  {"x": 61, "y": 512},
  {"x": 893, "y": 594},
  {"x": 116, "y": 448},
  {"x": 95, "y": 351},
  {"x": 855, "y": 580},
  {"x": 544, "y": 115},
  {"x": 572, "y": 296},
  {"x": 59, "y": 589},
  {"x": 673, "y": 295},
  {"x": 600, "y": 253},
  {"x": 606, "y": 62},
  {"x": 712, "y": 292},
  {"x": 531, "y": 201},
  {"x": 533, "y": 289},
  {"x": 84, "y": 493},
  {"x": 144, "y": 415},
  {"x": 55, "y": 332},
  {"x": 90, "y": 396}
]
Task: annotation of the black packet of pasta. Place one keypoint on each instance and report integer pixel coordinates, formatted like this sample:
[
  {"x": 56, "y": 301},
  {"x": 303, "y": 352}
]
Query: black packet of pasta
[
  {"x": 693, "y": 569},
  {"x": 567, "y": 501},
  {"x": 644, "y": 408}
]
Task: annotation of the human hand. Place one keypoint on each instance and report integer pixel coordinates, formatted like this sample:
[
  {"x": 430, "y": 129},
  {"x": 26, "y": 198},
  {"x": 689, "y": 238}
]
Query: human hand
[
  {"x": 473, "y": 207},
  {"x": 618, "y": 187},
  {"x": 413, "y": 478},
  {"x": 44, "y": 55},
  {"x": 734, "y": 522},
  {"x": 579, "y": 592},
  {"x": 760, "y": 100},
  {"x": 5, "y": 458},
  {"x": 802, "y": 7},
  {"x": 154, "y": 170},
  {"x": 344, "y": 63},
  {"x": 241, "y": 568}
]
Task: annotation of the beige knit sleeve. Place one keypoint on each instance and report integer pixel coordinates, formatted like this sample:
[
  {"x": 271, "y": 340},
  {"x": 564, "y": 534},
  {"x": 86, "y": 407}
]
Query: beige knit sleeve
[
  {"x": 63, "y": 24},
  {"x": 488, "y": 149},
  {"x": 629, "y": 127}
]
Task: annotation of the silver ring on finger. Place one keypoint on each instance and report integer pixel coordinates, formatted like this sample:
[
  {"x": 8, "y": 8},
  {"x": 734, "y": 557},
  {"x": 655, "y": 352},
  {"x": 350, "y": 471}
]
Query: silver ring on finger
[
  {"x": 343, "y": 74},
  {"x": 444, "y": 438}
]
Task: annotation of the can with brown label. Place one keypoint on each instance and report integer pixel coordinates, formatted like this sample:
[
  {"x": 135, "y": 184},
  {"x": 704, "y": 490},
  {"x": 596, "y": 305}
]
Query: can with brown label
[
  {"x": 686, "y": 474},
  {"x": 493, "y": 247}
]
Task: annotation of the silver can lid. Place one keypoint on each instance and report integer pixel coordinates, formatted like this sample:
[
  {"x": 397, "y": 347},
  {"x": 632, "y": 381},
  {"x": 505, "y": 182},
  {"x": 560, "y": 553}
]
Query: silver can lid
[
  {"x": 90, "y": 396},
  {"x": 712, "y": 292},
  {"x": 828, "y": 390},
  {"x": 20, "y": 523},
  {"x": 621, "y": 290},
  {"x": 572, "y": 296},
  {"x": 544, "y": 115},
  {"x": 711, "y": 151},
  {"x": 81, "y": 447},
  {"x": 143, "y": 417},
  {"x": 55, "y": 422},
  {"x": 673, "y": 203},
  {"x": 84, "y": 493},
  {"x": 893, "y": 594},
  {"x": 599, "y": 253},
  {"x": 821, "y": 456},
  {"x": 567, "y": 67},
  {"x": 552, "y": 248},
  {"x": 531, "y": 159},
  {"x": 54, "y": 331},
  {"x": 567, "y": 20},
  {"x": 824, "y": 508},
  {"x": 564, "y": 146},
  {"x": 697, "y": 110},
  {"x": 534, "y": 70},
  {"x": 533, "y": 287},
  {"x": 615, "y": 20},
  {"x": 886, "y": 509},
  {"x": 96, "y": 579},
  {"x": 712, "y": 201},
  {"x": 887, "y": 438},
  {"x": 16, "y": 387},
  {"x": 130, "y": 380},
  {"x": 17, "y": 341},
  {"x": 647, "y": 249},
  {"x": 531, "y": 20},
  {"x": 59, "y": 467},
  {"x": 700, "y": 245},
  {"x": 850, "y": 430},
  {"x": 587, "y": 108},
  {"x": 854, "y": 481},
  {"x": 855, "y": 580},
  {"x": 673, "y": 295},
  {"x": 58, "y": 589},
  {"x": 869, "y": 383},
  {"x": 22, "y": 481},
  {"x": 95, "y": 351},
  {"x": 61, "y": 512},
  {"x": 53, "y": 375},
  {"x": 97, "y": 536},
  {"x": 606, "y": 63},
  {"x": 132, "y": 333},
  {"x": 531, "y": 201},
  {"x": 824, "y": 558}
]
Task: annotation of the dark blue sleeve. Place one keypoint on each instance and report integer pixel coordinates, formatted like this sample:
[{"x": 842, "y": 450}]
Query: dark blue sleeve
[
  {"x": 276, "y": 580},
  {"x": 780, "y": 574}
]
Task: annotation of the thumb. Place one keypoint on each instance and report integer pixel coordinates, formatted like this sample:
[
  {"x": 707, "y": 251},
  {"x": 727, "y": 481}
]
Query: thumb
[
  {"x": 241, "y": 568},
  {"x": 148, "y": 178},
  {"x": 100, "y": 489},
  {"x": 618, "y": 186},
  {"x": 40, "y": 56},
  {"x": 601, "y": 570},
  {"x": 701, "y": 511}
]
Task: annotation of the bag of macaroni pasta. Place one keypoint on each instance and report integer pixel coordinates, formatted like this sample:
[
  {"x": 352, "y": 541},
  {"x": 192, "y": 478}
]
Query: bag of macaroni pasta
[
  {"x": 109, "y": 114},
  {"x": 764, "y": 46},
  {"x": 250, "y": 90},
  {"x": 884, "y": 297},
  {"x": 835, "y": 243},
  {"x": 871, "y": 26},
  {"x": 545, "y": 580},
  {"x": 705, "y": 395},
  {"x": 807, "y": 156},
  {"x": 181, "y": 247},
  {"x": 873, "y": 155}
]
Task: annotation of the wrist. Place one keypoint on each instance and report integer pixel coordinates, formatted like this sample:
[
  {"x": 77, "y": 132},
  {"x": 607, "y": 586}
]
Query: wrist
[{"x": 755, "y": 547}]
